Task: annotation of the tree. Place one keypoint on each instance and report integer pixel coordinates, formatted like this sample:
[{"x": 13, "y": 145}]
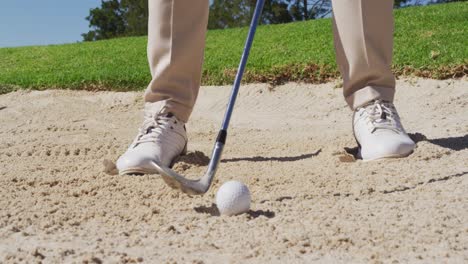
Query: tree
[
  {"x": 228, "y": 14},
  {"x": 116, "y": 18},
  {"x": 276, "y": 12},
  {"x": 309, "y": 9},
  {"x": 135, "y": 17},
  {"x": 107, "y": 21},
  {"x": 238, "y": 13}
]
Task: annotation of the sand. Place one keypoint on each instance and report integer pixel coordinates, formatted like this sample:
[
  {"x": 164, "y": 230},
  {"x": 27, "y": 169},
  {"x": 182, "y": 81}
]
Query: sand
[{"x": 312, "y": 200}]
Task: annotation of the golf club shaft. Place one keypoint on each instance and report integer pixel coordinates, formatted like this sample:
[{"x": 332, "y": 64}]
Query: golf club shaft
[
  {"x": 243, "y": 62},
  {"x": 221, "y": 140}
]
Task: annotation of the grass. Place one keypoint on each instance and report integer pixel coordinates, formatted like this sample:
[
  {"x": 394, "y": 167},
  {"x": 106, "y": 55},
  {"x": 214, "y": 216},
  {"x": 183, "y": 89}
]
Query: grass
[{"x": 430, "y": 42}]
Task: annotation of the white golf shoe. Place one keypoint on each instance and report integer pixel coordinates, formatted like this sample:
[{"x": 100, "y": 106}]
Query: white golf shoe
[
  {"x": 161, "y": 139},
  {"x": 379, "y": 133}
]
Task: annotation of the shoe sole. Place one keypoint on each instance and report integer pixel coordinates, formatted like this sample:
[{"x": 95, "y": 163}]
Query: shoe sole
[
  {"x": 396, "y": 156},
  {"x": 137, "y": 171}
]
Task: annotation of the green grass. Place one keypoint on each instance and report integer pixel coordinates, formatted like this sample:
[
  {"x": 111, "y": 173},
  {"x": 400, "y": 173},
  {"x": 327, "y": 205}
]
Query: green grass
[{"x": 430, "y": 41}]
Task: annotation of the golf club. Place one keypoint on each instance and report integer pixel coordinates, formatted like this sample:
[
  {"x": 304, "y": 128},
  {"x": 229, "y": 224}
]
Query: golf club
[{"x": 201, "y": 186}]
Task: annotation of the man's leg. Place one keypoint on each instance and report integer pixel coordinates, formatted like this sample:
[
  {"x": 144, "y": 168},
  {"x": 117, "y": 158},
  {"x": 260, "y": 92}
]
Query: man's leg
[
  {"x": 364, "y": 42},
  {"x": 176, "y": 41}
]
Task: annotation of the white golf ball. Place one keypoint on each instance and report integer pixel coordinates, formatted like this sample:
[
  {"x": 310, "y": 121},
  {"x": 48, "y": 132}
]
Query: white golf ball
[{"x": 233, "y": 198}]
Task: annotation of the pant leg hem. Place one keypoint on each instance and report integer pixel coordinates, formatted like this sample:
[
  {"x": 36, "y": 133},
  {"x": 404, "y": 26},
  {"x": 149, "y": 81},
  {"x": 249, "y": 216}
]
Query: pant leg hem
[
  {"x": 166, "y": 106},
  {"x": 368, "y": 94}
]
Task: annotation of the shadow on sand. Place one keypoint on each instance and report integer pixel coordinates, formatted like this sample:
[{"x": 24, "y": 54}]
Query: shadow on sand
[
  {"x": 213, "y": 211},
  {"x": 280, "y": 159},
  {"x": 453, "y": 143}
]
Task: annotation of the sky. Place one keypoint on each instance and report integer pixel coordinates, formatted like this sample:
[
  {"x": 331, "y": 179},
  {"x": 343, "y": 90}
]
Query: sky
[{"x": 43, "y": 22}]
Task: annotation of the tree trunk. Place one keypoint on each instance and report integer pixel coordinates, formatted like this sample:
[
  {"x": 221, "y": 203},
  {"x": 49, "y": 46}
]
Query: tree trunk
[{"x": 305, "y": 10}]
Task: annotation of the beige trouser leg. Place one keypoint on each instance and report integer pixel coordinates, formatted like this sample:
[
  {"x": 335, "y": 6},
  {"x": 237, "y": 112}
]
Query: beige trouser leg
[
  {"x": 176, "y": 40},
  {"x": 364, "y": 42}
]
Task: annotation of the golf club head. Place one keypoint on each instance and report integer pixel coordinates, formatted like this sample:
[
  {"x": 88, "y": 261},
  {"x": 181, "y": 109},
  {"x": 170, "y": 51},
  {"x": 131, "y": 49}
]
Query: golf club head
[
  {"x": 193, "y": 187},
  {"x": 179, "y": 182}
]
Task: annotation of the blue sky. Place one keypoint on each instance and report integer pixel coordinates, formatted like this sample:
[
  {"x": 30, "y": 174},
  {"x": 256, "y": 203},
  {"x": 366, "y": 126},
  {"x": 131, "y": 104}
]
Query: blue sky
[{"x": 43, "y": 22}]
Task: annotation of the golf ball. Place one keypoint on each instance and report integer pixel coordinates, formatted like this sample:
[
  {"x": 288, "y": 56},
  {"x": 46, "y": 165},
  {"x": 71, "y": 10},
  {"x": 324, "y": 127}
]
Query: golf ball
[{"x": 233, "y": 198}]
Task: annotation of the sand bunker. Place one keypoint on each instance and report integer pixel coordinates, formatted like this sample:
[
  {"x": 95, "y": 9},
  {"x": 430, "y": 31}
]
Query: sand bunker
[{"x": 293, "y": 146}]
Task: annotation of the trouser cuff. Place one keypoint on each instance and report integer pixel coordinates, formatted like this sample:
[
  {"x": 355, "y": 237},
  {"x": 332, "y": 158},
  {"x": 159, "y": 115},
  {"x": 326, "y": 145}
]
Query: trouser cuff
[
  {"x": 166, "y": 106},
  {"x": 368, "y": 94}
]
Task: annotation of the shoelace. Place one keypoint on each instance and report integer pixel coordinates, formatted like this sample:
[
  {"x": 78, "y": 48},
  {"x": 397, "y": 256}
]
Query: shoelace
[
  {"x": 151, "y": 128},
  {"x": 381, "y": 115}
]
